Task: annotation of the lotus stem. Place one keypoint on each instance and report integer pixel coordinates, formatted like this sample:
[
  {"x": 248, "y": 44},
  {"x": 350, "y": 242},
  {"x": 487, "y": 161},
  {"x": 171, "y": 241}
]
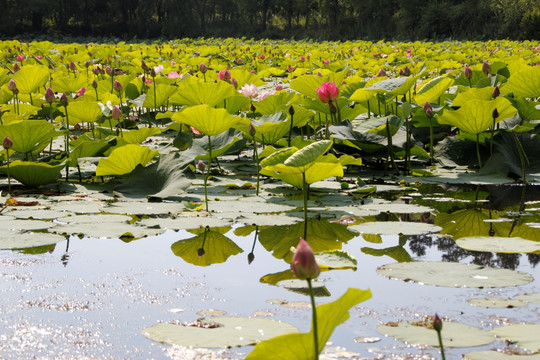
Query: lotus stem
[
  {"x": 290, "y": 131},
  {"x": 208, "y": 172},
  {"x": 390, "y": 148},
  {"x": 67, "y": 144},
  {"x": 257, "y": 162},
  {"x": 9, "y": 177},
  {"x": 305, "y": 193},
  {"x": 430, "y": 141},
  {"x": 155, "y": 92},
  {"x": 492, "y": 135},
  {"x": 314, "y": 319},
  {"x": 522, "y": 157},
  {"x": 478, "y": 150}
]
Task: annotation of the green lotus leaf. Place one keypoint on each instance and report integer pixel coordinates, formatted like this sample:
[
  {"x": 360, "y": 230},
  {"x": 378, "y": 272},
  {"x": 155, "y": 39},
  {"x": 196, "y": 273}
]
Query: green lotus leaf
[
  {"x": 125, "y": 159},
  {"x": 245, "y": 77},
  {"x": 378, "y": 125},
  {"x": 68, "y": 84},
  {"x": 453, "y": 334},
  {"x": 162, "y": 94},
  {"x": 362, "y": 95},
  {"x": 397, "y": 253},
  {"x": 140, "y": 135},
  {"x": 300, "y": 346},
  {"x": 33, "y": 174},
  {"x": 209, "y": 93},
  {"x": 307, "y": 84},
  {"x": 82, "y": 112},
  {"x": 30, "y": 78},
  {"x": 470, "y": 222},
  {"x": 278, "y": 156},
  {"x": 217, "y": 248},
  {"x": 269, "y": 128},
  {"x": 317, "y": 171},
  {"x": 29, "y": 135},
  {"x": 395, "y": 228},
  {"x": 432, "y": 90},
  {"x": 453, "y": 274},
  {"x": 473, "y": 94},
  {"x": 23, "y": 112},
  {"x": 274, "y": 103},
  {"x": 236, "y": 103},
  {"x": 335, "y": 259},
  {"x": 305, "y": 157},
  {"x": 395, "y": 86},
  {"x": 496, "y": 303},
  {"x": 497, "y": 355},
  {"x": 507, "y": 245},
  {"x": 206, "y": 119},
  {"x": 525, "y": 83},
  {"x": 475, "y": 116},
  {"x": 225, "y": 332},
  {"x": 524, "y": 336},
  {"x": 88, "y": 148}
]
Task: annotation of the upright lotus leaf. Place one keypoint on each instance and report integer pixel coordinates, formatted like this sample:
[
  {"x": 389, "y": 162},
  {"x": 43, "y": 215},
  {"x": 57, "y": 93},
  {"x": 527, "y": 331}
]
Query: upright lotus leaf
[
  {"x": 18, "y": 112},
  {"x": 307, "y": 85},
  {"x": 245, "y": 77},
  {"x": 221, "y": 144},
  {"x": 236, "y": 103},
  {"x": 29, "y": 135},
  {"x": 318, "y": 171},
  {"x": 270, "y": 128},
  {"x": 140, "y": 135},
  {"x": 82, "y": 112},
  {"x": 162, "y": 94},
  {"x": 304, "y": 158},
  {"x": 378, "y": 125},
  {"x": 300, "y": 346},
  {"x": 274, "y": 103},
  {"x": 33, "y": 174},
  {"x": 484, "y": 93},
  {"x": 68, "y": 84},
  {"x": 31, "y": 77},
  {"x": 278, "y": 156},
  {"x": 362, "y": 95},
  {"x": 397, "y": 86},
  {"x": 216, "y": 248},
  {"x": 209, "y": 93},
  {"x": 525, "y": 83},
  {"x": 125, "y": 159},
  {"x": 206, "y": 119},
  {"x": 475, "y": 116},
  {"x": 87, "y": 148},
  {"x": 432, "y": 90}
]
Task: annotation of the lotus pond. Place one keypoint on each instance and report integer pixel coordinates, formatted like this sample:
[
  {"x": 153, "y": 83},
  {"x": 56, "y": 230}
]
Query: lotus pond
[{"x": 153, "y": 196}]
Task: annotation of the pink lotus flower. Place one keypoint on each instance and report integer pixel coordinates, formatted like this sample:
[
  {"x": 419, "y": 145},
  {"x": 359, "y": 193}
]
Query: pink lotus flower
[
  {"x": 290, "y": 68},
  {"x": 195, "y": 131},
  {"x": 224, "y": 75},
  {"x": 279, "y": 87},
  {"x": 327, "y": 92},
  {"x": 428, "y": 109},
  {"x": 116, "y": 113},
  {"x": 81, "y": 92},
  {"x": 39, "y": 57},
  {"x": 304, "y": 265},
  {"x": 174, "y": 75},
  {"x": 7, "y": 143},
  {"x": 158, "y": 69},
  {"x": 326, "y": 62},
  {"x": 302, "y": 58},
  {"x": 249, "y": 91},
  {"x": 20, "y": 58},
  {"x": 262, "y": 56}
]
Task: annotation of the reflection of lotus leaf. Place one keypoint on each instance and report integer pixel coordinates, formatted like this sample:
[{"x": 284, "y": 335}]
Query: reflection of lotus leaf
[
  {"x": 454, "y": 274},
  {"x": 230, "y": 332},
  {"x": 453, "y": 334},
  {"x": 217, "y": 249}
]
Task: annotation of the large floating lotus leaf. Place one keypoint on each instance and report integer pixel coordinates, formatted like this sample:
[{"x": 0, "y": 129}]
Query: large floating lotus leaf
[
  {"x": 524, "y": 336},
  {"x": 453, "y": 334},
  {"x": 69, "y": 84},
  {"x": 454, "y": 274},
  {"x": 300, "y": 346},
  {"x": 335, "y": 259},
  {"x": 29, "y": 135},
  {"x": 397, "y": 208},
  {"x": 395, "y": 228},
  {"x": 475, "y": 116},
  {"x": 508, "y": 245},
  {"x": 525, "y": 83},
  {"x": 230, "y": 332},
  {"x": 97, "y": 218},
  {"x": 125, "y": 159},
  {"x": 496, "y": 303},
  {"x": 82, "y": 112},
  {"x": 144, "y": 208},
  {"x": 185, "y": 222},
  {"x": 30, "y": 78},
  {"x": 496, "y": 355},
  {"x": 209, "y": 93},
  {"x": 250, "y": 205},
  {"x": 140, "y": 135},
  {"x": 163, "y": 93},
  {"x": 532, "y": 298},
  {"x": 217, "y": 249},
  {"x": 107, "y": 230},
  {"x": 33, "y": 174},
  {"x": 13, "y": 240},
  {"x": 25, "y": 225},
  {"x": 432, "y": 90},
  {"x": 206, "y": 119},
  {"x": 168, "y": 176}
]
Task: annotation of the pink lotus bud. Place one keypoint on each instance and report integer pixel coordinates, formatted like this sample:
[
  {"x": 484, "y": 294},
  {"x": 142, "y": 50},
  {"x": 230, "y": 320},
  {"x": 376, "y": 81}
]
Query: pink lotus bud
[
  {"x": 234, "y": 83},
  {"x": 7, "y": 143},
  {"x": 302, "y": 58},
  {"x": 496, "y": 92},
  {"x": 81, "y": 92},
  {"x": 291, "y": 110},
  {"x": 117, "y": 86},
  {"x": 279, "y": 87},
  {"x": 116, "y": 113},
  {"x": 239, "y": 61},
  {"x": 77, "y": 127},
  {"x": 326, "y": 62},
  {"x": 437, "y": 323},
  {"x": 253, "y": 71},
  {"x": 486, "y": 68},
  {"x": 95, "y": 71},
  {"x": 195, "y": 131},
  {"x": 109, "y": 70},
  {"x": 201, "y": 166},
  {"x": 381, "y": 72},
  {"x": 319, "y": 74},
  {"x": 333, "y": 108},
  {"x": 252, "y": 130},
  {"x": 406, "y": 71},
  {"x": 64, "y": 100},
  {"x": 428, "y": 109},
  {"x": 252, "y": 108},
  {"x": 87, "y": 64},
  {"x": 20, "y": 58},
  {"x": 261, "y": 56},
  {"x": 495, "y": 113},
  {"x": 203, "y": 68},
  {"x": 468, "y": 72},
  {"x": 94, "y": 84},
  {"x": 327, "y": 92},
  {"x": 12, "y": 86},
  {"x": 224, "y": 75},
  {"x": 72, "y": 66},
  {"x": 16, "y": 67},
  {"x": 49, "y": 95},
  {"x": 249, "y": 91},
  {"x": 153, "y": 73},
  {"x": 290, "y": 68},
  {"x": 144, "y": 66},
  {"x": 304, "y": 265}
]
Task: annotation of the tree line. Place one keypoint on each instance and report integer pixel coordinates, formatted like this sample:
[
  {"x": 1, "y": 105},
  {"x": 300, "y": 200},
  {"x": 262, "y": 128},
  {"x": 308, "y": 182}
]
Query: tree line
[{"x": 298, "y": 19}]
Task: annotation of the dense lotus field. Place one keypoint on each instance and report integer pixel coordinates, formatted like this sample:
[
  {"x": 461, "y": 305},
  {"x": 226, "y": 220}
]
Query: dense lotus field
[{"x": 128, "y": 140}]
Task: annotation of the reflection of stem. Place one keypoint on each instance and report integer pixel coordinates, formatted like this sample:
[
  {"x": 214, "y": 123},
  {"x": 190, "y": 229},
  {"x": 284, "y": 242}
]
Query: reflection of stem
[
  {"x": 251, "y": 255},
  {"x": 521, "y": 208},
  {"x": 314, "y": 317},
  {"x": 305, "y": 192}
]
